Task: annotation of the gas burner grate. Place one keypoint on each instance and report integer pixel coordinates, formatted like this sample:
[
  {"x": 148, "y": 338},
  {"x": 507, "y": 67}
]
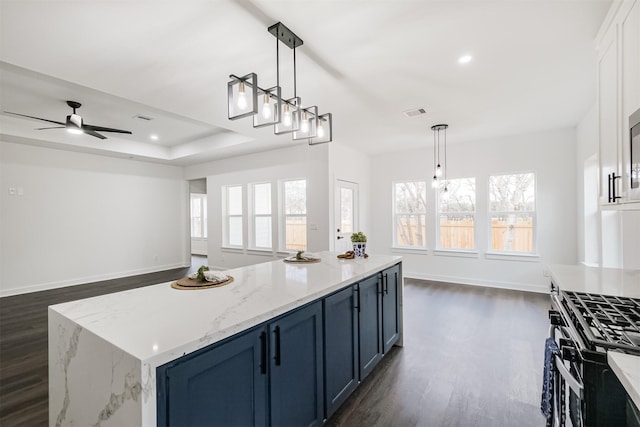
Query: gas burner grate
[{"x": 607, "y": 321}]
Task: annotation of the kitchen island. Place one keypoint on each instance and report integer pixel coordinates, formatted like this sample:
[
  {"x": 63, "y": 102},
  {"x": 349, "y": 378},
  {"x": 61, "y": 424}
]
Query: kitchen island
[{"x": 104, "y": 351}]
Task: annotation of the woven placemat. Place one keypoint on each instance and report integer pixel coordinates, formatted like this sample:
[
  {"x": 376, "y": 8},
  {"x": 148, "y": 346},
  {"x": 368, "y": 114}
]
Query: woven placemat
[{"x": 186, "y": 284}]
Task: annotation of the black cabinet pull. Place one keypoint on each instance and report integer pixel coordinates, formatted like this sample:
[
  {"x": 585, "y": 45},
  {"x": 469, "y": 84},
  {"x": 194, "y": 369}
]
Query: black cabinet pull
[
  {"x": 357, "y": 298},
  {"x": 609, "y": 189},
  {"x": 614, "y": 197},
  {"x": 277, "y": 358},
  {"x": 385, "y": 279},
  {"x": 263, "y": 353}
]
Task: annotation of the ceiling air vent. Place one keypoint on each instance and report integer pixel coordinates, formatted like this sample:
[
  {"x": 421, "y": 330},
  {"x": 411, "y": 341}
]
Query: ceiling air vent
[
  {"x": 141, "y": 117},
  {"x": 415, "y": 112}
]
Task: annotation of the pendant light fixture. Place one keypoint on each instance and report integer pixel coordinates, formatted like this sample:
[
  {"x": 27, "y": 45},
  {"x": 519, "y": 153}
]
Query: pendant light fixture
[
  {"x": 439, "y": 170},
  {"x": 267, "y": 106}
]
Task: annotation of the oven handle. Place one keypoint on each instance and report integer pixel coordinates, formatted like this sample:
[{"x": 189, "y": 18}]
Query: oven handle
[
  {"x": 573, "y": 383},
  {"x": 573, "y": 334}
]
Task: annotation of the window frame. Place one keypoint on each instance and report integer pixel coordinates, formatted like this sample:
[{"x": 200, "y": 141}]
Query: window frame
[
  {"x": 202, "y": 198},
  {"x": 282, "y": 214},
  {"x": 395, "y": 215},
  {"x": 226, "y": 216},
  {"x": 534, "y": 223},
  {"x": 473, "y": 213},
  {"x": 253, "y": 215}
]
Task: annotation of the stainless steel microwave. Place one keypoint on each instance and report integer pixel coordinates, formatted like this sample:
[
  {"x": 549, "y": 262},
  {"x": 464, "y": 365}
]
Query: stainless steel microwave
[{"x": 634, "y": 157}]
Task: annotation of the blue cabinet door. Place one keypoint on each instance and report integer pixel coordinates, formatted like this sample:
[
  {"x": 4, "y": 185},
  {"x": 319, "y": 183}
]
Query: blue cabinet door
[
  {"x": 297, "y": 397},
  {"x": 340, "y": 347},
  {"x": 370, "y": 327},
  {"x": 390, "y": 307},
  {"x": 223, "y": 385}
]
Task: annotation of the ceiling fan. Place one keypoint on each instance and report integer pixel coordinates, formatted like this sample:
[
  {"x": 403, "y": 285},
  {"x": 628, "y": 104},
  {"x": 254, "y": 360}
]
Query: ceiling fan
[{"x": 75, "y": 124}]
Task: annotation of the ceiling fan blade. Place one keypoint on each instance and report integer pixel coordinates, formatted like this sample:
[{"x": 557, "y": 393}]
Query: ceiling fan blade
[
  {"x": 55, "y": 127},
  {"x": 103, "y": 129},
  {"x": 93, "y": 133},
  {"x": 36, "y": 118}
]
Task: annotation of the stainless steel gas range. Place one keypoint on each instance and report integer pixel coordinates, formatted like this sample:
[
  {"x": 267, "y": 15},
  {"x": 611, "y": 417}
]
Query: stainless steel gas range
[{"x": 580, "y": 387}]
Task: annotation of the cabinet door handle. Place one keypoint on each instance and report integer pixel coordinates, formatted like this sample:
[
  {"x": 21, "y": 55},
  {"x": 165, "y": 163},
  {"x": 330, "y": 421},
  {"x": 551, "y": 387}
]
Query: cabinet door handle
[
  {"x": 609, "y": 178},
  {"x": 357, "y": 298},
  {"x": 385, "y": 279},
  {"x": 277, "y": 358},
  {"x": 263, "y": 353},
  {"x": 614, "y": 197}
]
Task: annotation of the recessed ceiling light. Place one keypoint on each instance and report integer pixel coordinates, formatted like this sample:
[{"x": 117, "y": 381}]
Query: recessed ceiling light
[
  {"x": 465, "y": 59},
  {"x": 154, "y": 137}
]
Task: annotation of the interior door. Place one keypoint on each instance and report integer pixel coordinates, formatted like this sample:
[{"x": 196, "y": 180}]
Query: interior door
[{"x": 346, "y": 213}]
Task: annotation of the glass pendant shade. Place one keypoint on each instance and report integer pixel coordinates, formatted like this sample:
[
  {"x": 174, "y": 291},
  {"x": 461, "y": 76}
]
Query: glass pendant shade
[
  {"x": 269, "y": 106},
  {"x": 438, "y": 171},
  {"x": 434, "y": 182},
  {"x": 324, "y": 130},
  {"x": 308, "y": 124},
  {"x": 290, "y": 116},
  {"x": 243, "y": 96}
]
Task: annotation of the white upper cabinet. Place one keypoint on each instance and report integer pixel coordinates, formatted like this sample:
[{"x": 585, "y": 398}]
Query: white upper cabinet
[{"x": 618, "y": 45}]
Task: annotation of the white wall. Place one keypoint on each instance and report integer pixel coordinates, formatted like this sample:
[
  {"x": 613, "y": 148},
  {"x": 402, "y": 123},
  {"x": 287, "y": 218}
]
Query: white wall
[
  {"x": 351, "y": 165},
  {"x": 299, "y": 161},
  {"x": 551, "y": 155},
  {"x": 588, "y": 215},
  {"x": 84, "y": 218}
]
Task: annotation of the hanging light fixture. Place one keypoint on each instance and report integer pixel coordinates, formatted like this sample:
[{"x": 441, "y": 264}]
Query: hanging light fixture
[
  {"x": 439, "y": 170},
  {"x": 267, "y": 107}
]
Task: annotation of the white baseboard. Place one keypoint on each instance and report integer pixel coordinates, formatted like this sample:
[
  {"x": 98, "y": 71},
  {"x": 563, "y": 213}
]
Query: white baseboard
[
  {"x": 475, "y": 282},
  {"x": 88, "y": 279}
]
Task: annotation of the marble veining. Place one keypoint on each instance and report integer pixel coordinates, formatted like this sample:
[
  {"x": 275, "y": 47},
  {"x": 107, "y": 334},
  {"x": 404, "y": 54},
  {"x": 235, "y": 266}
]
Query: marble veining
[
  {"x": 68, "y": 354},
  {"x": 106, "y": 373}
]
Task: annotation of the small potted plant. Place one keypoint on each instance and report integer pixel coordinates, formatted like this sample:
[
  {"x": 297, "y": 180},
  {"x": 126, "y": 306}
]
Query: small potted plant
[{"x": 359, "y": 241}]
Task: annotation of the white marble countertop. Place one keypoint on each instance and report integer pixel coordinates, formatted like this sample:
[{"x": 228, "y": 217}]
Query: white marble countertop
[
  {"x": 157, "y": 324},
  {"x": 606, "y": 281},
  {"x": 627, "y": 369}
]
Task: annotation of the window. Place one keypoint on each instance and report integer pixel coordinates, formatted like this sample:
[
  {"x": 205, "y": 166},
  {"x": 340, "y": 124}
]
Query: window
[
  {"x": 199, "y": 216},
  {"x": 233, "y": 216},
  {"x": 457, "y": 214},
  {"x": 261, "y": 236},
  {"x": 512, "y": 211},
  {"x": 294, "y": 195},
  {"x": 409, "y": 211}
]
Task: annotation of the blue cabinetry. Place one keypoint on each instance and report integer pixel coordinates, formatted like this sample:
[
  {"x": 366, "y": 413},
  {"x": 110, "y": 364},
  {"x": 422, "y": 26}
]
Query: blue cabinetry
[
  {"x": 250, "y": 379},
  {"x": 340, "y": 347},
  {"x": 297, "y": 397},
  {"x": 293, "y": 370},
  {"x": 390, "y": 307},
  {"x": 370, "y": 330},
  {"x": 222, "y": 385}
]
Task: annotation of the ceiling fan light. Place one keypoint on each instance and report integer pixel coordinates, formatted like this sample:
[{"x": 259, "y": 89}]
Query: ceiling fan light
[{"x": 74, "y": 124}]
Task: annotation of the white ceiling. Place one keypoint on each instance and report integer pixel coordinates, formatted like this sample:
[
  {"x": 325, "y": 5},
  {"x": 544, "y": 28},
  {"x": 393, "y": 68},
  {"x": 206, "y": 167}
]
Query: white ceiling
[{"x": 533, "y": 69}]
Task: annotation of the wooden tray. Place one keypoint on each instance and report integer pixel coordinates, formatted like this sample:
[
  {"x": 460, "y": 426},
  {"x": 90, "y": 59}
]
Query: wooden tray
[
  {"x": 301, "y": 261},
  {"x": 186, "y": 284}
]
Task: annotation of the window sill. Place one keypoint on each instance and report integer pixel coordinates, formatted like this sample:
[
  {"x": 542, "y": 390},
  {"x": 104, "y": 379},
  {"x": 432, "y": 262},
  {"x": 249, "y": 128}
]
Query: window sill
[
  {"x": 461, "y": 253},
  {"x": 262, "y": 252},
  {"x": 232, "y": 249},
  {"x": 512, "y": 256},
  {"x": 401, "y": 250}
]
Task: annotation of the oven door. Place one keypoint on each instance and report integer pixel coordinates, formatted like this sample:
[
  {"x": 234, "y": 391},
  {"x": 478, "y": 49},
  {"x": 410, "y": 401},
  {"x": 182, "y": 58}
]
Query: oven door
[{"x": 568, "y": 386}]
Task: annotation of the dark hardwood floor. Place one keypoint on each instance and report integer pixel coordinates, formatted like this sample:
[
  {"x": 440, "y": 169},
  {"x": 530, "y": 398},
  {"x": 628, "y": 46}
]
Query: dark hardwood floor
[
  {"x": 24, "y": 378},
  {"x": 472, "y": 357}
]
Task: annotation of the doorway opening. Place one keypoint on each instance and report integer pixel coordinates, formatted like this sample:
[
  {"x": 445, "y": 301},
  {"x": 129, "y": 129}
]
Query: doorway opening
[{"x": 346, "y": 218}]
